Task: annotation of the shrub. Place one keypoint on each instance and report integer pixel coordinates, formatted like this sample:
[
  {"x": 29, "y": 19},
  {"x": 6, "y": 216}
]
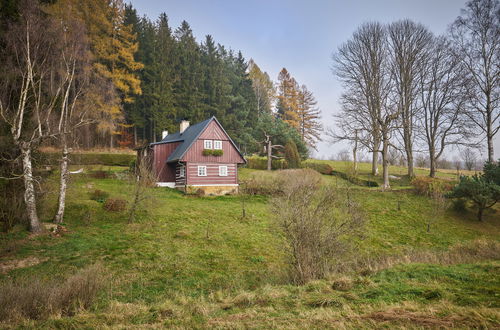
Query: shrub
[
  {"x": 99, "y": 196},
  {"x": 459, "y": 205},
  {"x": 115, "y": 205},
  {"x": 482, "y": 191},
  {"x": 317, "y": 223},
  {"x": 425, "y": 185},
  {"x": 292, "y": 156},
  {"x": 36, "y": 299}
]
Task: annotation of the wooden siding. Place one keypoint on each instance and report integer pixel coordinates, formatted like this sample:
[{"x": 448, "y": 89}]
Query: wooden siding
[
  {"x": 180, "y": 181},
  {"x": 163, "y": 171},
  {"x": 212, "y": 177},
  {"x": 213, "y": 132}
]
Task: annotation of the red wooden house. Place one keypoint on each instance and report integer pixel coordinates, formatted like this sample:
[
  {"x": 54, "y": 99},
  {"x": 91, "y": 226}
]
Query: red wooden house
[{"x": 201, "y": 156}]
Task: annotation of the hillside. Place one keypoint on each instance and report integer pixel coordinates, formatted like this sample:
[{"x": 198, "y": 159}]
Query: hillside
[{"x": 193, "y": 261}]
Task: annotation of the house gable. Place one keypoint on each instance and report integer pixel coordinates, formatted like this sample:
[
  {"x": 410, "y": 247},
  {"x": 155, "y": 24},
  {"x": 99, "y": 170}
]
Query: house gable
[{"x": 213, "y": 131}]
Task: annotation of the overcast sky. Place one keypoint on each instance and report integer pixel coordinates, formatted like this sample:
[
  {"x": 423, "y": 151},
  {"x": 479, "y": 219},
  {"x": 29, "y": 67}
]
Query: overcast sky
[{"x": 298, "y": 35}]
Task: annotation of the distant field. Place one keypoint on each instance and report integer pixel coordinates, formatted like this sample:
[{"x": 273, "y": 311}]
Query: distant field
[{"x": 194, "y": 262}]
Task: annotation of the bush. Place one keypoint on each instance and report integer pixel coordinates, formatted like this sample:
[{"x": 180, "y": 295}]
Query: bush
[
  {"x": 319, "y": 167},
  {"x": 459, "y": 205},
  {"x": 317, "y": 222},
  {"x": 99, "y": 196},
  {"x": 425, "y": 185},
  {"x": 115, "y": 205},
  {"x": 260, "y": 163},
  {"x": 292, "y": 156},
  {"x": 36, "y": 299}
]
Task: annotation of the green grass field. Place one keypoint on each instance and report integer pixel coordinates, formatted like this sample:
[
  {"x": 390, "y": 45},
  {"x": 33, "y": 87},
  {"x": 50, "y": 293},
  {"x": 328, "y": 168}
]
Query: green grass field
[{"x": 195, "y": 262}]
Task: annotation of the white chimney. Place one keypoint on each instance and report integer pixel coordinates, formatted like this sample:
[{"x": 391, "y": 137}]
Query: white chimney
[
  {"x": 164, "y": 134},
  {"x": 184, "y": 125}
]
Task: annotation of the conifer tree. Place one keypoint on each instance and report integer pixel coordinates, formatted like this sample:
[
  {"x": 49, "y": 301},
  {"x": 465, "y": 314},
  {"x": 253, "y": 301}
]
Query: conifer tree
[
  {"x": 309, "y": 115},
  {"x": 288, "y": 103}
]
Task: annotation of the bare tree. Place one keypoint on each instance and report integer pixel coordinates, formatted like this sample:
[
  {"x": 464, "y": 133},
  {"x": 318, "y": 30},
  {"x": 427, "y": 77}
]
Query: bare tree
[
  {"x": 442, "y": 121},
  {"x": 470, "y": 158},
  {"x": 73, "y": 79},
  {"x": 362, "y": 64},
  {"x": 317, "y": 223},
  {"x": 27, "y": 104},
  {"x": 407, "y": 41},
  {"x": 143, "y": 179},
  {"x": 269, "y": 147},
  {"x": 476, "y": 40}
]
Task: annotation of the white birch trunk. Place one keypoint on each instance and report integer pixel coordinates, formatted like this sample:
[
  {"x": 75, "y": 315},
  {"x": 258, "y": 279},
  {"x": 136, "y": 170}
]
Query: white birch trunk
[
  {"x": 29, "y": 189},
  {"x": 63, "y": 184}
]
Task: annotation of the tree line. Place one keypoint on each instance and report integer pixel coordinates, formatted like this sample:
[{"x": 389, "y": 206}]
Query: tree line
[
  {"x": 409, "y": 90},
  {"x": 93, "y": 73}
]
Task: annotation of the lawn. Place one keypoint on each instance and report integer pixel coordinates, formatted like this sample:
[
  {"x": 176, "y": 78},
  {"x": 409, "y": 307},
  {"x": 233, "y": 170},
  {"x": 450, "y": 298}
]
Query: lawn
[{"x": 192, "y": 261}]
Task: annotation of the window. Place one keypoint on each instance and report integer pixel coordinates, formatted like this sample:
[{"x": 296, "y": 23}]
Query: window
[
  {"x": 217, "y": 144},
  {"x": 222, "y": 170},
  {"x": 202, "y": 171},
  {"x": 207, "y": 144},
  {"x": 182, "y": 171}
]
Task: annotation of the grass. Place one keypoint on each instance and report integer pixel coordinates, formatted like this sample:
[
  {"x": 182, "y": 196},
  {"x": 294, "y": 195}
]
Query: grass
[{"x": 195, "y": 262}]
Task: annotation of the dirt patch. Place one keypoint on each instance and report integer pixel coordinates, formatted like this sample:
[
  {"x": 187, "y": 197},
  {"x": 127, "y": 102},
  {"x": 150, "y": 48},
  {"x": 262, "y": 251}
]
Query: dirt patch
[
  {"x": 398, "y": 315},
  {"x": 9, "y": 265}
]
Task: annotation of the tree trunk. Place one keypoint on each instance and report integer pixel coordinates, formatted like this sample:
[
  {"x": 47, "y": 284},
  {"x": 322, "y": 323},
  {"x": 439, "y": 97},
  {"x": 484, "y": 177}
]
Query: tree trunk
[
  {"x": 480, "y": 214},
  {"x": 269, "y": 155},
  {"x": 385, "y": 163},
  {"x": 354, "y": 153},
  {"x": 432, "y": 173},
  {"x": 63, "y": 182},
  {"x": 489, "y": 138},
  {"x": 375, "y": 163},
  {"x": 135, "y": 135},
  {"x": 29, "y": 189},
  {"x": 409, "y": 158}
]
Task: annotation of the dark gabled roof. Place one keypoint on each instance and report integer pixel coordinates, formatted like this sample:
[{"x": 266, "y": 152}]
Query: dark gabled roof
[{"x": 188, "y": 137}]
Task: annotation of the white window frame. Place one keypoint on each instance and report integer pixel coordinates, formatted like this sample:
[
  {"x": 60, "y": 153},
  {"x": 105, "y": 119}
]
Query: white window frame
[
  {"x": 218, "y": 144},
  {"x": 223, "y": 170},
  {"x": 202, "y": 170},
  {"x": 207, "y": 144}
]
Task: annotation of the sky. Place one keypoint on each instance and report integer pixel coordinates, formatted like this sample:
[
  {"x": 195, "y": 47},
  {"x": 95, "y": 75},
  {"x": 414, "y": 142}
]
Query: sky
[{"x": 300, "y": 35}]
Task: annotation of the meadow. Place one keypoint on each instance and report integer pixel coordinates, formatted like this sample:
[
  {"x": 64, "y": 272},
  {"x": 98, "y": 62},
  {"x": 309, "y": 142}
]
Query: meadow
[{"x": 196, "y": 262}]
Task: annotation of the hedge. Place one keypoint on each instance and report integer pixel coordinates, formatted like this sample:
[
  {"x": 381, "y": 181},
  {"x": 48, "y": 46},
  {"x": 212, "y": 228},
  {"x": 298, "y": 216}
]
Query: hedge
[
  {"x": 319, "y": 167},
  {"x": 108, "y": 159},
  {"x": 260, "y": 163}
]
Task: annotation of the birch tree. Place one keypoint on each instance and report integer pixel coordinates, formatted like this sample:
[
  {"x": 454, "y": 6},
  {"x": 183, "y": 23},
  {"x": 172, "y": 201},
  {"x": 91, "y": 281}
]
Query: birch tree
[
  {"x": 476, "y": 39},
  {"x": 26, "y": 104}
]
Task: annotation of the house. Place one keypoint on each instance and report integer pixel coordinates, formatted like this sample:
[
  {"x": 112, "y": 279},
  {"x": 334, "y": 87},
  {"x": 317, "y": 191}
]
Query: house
[{"x": 198, "y": 157}]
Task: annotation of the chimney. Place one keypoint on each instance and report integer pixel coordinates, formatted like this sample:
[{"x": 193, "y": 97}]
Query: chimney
[
  {"x": 164, "y": 134},
  {"x": 184, "y": 125}
]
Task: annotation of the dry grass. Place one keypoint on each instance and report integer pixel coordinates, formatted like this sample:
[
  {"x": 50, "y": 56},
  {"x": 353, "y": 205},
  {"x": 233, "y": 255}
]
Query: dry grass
[
  {"x": 33, "y": 298},
  {"x": 470, "y": 252}
]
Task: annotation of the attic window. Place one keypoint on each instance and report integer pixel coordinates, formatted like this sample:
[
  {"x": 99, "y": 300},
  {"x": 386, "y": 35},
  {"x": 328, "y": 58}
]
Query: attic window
[
  {"x": 207, "y": 144},
  {"x": 217, "y": 144}
]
